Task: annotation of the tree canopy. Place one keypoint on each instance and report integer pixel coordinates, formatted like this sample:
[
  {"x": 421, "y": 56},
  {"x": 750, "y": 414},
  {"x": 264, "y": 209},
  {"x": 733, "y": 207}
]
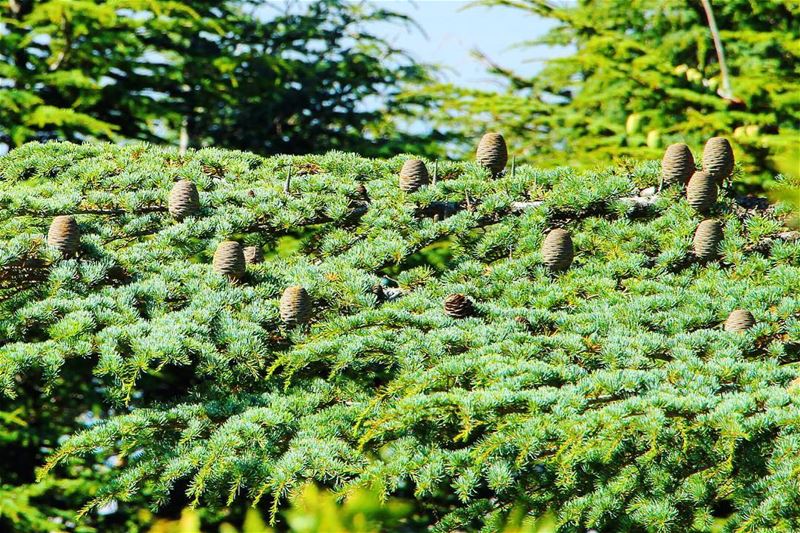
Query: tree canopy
[
  {"x": 298, "y": 78},
  {"x": 575, "y": 349}
]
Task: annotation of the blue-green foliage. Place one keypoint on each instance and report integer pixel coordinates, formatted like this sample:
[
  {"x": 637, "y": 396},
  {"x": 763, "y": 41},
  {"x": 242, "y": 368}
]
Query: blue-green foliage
[{"x": 619, "y": 402}]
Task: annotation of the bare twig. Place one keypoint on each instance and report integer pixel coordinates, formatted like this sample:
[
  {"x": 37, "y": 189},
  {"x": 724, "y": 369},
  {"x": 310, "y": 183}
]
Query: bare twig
[
  {"x": 726, "y": 91},
  {"x": 183, "y": 141},
  {"x": 288, "y": 183}
]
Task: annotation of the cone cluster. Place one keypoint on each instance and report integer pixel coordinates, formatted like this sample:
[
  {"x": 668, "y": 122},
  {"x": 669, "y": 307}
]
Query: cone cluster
[
  {"x": 707, "y": 237},
  {"x": 64, "y": 234},
  {"x": 183, "y": 200},
  {"x": 492, "y": 153},
  {"x": 413, "y": 175},
  {"x": 677, "y": 166},
  {"x": 253, "y": 255},
  {"x": 739, "y": 320},
  {"x": 701, "y": 192},
  {"x": 557, "y": 250},
  {"x": 295, "y": 306},
  {"x": 718, "y": 159},
  {"x": 458, "y": 306},
  {"x": 229, "y": 260}
]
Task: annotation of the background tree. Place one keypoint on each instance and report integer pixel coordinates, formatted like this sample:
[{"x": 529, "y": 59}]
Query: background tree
[
  {"x": 638, "y": 75},
  {"x": 305, "y": 77}
]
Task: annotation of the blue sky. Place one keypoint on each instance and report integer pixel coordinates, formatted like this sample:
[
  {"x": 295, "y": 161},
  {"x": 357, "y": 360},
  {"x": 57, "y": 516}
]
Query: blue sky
[{"x": 452, "y": 32}]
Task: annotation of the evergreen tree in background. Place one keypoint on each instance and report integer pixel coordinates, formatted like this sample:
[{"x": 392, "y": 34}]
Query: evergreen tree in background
[
  {"x": 636, "y": 76},
  {"x": 588, "y": 345},
  {"x": 295, "y": 77}
]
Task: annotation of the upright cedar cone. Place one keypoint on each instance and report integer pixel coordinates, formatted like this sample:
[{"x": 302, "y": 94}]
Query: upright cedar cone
[
  {"x": 253, "y": 255},
  {"x": 739, "y": 320},
  {"x": 295, "y": 306},
  {"x": 229, "y": 260},
  {"x": 557, "y": 250},
  {"x": 701, "y": 192},
  {"x": 361, "y": 192},
  {"x": 64, "y": 234},
  {"x": 413, "y": 175},
  {"x": 377, "y": 290},
  {"x": 458, "y": 306},
  {"x": 492, "y": 153},
  {"x": 718, "y": 159},
  {"x": 183, "y": 200},
  {"x": 707, "y": 237},
  {"x": 677, "y": 166}
]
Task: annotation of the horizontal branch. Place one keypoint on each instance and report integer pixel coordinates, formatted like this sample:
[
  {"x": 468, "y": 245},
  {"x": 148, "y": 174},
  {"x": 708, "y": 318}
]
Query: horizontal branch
[
  {"x": 445, "y": 209},
  {"x": 764, "y": 244},
  {"x": 636, "y": 202},
  {"x": 91, "y": 211},
  {"x": 119, "y": 211},
  {"x": 350, "y": 217}
]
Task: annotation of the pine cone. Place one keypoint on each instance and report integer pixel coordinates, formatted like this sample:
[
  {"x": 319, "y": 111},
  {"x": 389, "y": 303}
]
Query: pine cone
[
  {"x": 492, "y": 153},
  {"x": 524, "y": 322},
  {"x": 377, "y": 290},
  {"x": 718, "y": 159},
  {"x": 557, "y": 250},
  {"x": 677, "y": 166},
  {"x": 183, "y": 199},
  {"x": 295, "y": 306},
  {"x": 229, "y": 260},
  {"x": 739, "y": 320},
  {"x": 701, "y": 192},
  {"x": 253, "y": 255},
  {"x": 458, "y": 306},
  {"x": 361, "y": 192},
  {"x": 64, "y": 234},
  {"x": 413, "y": 175},
  {"x": 707, "y": 237}
]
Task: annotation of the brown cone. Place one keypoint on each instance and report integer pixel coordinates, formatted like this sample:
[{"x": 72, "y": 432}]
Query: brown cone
[
  {"x": 739, "y": 320},
  {"x": 183, "y": 199},
  {"x": 253, "y": 255},
  {"x": 361, "y": 192},
  {"x": 718, "y": 159},
  {"x": 229, "y": 260},
  {"x": 707, "y": 237},
  {"x": 492, "y": 153},
  {"x": 458, "y": 306},
  {"x": 413, "y": 175},
  {"x": 295, "y": 306},
  {"x": 557, "y": 250},
  {"x": 377, "y": 290},
  {"x": 701, "y": 192},
  {"x": 677, "y": 166},
  {"x": 64, "y": 234}
]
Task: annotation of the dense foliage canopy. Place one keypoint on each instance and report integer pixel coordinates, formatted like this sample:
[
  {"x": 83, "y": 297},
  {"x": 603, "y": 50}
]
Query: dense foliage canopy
[
  {"x": 296, "y": 77},
  {"x": 629, "y": 77},
  {"x": 608, "y": 392}
]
